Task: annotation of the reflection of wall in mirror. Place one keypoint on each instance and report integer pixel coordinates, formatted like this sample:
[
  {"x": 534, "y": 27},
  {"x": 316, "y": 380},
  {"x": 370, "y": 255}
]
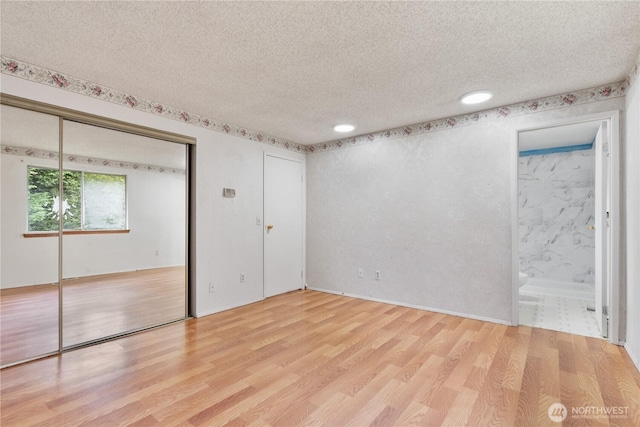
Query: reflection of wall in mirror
[{"x": 156, "y": 218}]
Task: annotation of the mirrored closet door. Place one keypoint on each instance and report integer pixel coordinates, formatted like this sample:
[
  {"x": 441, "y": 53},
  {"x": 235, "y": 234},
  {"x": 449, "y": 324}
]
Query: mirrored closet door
[
  {"x": 94, "y": 220},
  {"x": 29, "y": 223},
  {"x": 124, "y": 246}
]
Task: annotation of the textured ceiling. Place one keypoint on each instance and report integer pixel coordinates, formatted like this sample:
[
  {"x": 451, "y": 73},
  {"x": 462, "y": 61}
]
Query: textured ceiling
[{"x": 294, "y": 69}]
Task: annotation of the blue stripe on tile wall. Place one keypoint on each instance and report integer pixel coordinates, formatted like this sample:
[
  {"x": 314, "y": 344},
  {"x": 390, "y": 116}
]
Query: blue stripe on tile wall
[{"x": 556, "y": 150}]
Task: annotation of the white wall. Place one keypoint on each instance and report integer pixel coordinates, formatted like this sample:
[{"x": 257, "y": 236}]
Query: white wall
[
  {"x": 632, "y": 170},
  {"x": 155, "y": 226},
  {"x": 228, "y": 241},
  {"x": 431, "y": 212}
]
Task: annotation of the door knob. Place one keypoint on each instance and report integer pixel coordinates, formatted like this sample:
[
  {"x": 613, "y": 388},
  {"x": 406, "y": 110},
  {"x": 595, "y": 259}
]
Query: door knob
[
  {"x": 269, "y": 227},
  {"x": 592, "y": 227}
]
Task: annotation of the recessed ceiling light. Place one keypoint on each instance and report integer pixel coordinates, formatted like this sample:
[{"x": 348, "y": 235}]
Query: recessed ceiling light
[
  {"x": 344, "y": 128},
  {"x": 476, "y": 97}
]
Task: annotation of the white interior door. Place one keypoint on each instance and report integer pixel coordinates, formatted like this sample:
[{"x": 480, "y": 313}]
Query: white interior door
[
  {"x": 601, "y": 229},
  {"x": 282, "y": 225}
]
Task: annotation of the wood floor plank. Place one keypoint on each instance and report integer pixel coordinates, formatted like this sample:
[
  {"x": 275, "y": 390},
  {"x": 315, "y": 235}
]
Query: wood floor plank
[
  {"x": 513, "y": 375},
  {"x": 266, "y": 387},
  {"x": 459, "y": 375},
  {"x": 386, "y": 417},
  {"x": 311, "y": 358},
  {"x": 417, "y": 385},
  {"x": 261, "y": 407},
  {"x": 413, "y": 415},
  {"x": 357, "y": 412},
  {"x": 148, "y": 421},
  {"x": 430, "y": 396},
  {"x": 417, "y": 353},
  {"x": 496, "y": 405},
  {"x": 461, "y": 408},
  {"x": 529, "y": 396},
  {"x": 549, "y": 384}
]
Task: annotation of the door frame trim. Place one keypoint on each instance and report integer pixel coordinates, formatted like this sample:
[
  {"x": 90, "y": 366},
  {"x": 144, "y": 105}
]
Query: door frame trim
[{"x": 613, "y": 118}]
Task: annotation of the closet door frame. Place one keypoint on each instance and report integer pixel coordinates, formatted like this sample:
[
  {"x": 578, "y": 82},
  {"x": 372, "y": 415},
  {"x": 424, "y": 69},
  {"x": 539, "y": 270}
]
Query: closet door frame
[{"x": 117, "y": 125}]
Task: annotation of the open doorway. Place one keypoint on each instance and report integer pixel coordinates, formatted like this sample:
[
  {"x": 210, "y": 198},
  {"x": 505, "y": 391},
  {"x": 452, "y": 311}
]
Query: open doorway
[{"x": 565, "y": 226}]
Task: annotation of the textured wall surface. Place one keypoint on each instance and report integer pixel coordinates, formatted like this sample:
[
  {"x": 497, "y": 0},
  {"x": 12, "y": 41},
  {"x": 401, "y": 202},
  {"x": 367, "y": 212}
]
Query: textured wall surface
[
  {"x": 556, "y": 200},
  {"x": 431, "y": 212}
]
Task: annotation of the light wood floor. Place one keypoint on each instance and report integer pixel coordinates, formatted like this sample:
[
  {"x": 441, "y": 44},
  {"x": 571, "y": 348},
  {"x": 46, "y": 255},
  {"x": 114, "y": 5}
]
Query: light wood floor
[
  {"x": 310, "y": 358},
  {"x": 94, "y": 307}
]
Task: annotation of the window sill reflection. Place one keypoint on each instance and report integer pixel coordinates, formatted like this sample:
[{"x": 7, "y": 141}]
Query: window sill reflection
[{"x": 71, "y": 232}]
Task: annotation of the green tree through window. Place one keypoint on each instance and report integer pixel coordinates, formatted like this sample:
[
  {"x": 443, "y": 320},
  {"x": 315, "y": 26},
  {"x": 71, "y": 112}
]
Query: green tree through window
[{"x": 91, "y": 201}]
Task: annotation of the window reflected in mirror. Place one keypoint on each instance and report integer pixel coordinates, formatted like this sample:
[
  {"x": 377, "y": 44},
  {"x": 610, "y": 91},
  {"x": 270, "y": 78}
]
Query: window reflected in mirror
[
  {"x": 124, "y": 268},
  {"x": 92, "y": 201}
]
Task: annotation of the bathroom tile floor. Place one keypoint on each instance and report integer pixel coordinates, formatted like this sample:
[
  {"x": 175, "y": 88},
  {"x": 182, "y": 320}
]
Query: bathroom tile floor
[{"x": 558, "y": 313}]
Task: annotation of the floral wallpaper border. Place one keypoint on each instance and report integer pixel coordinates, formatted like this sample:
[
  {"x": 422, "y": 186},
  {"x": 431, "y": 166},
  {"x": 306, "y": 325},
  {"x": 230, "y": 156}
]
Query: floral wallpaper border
[
  {"x": 63, "y": 81},
  {"x": 37, "y": 74},
  {"x": 72, "y": 158},
  {"x": 584, "y": 96}
]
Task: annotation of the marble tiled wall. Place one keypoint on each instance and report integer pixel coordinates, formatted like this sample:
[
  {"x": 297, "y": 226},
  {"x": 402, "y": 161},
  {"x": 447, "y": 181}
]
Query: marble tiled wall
[{"x": 556, "y": 197}]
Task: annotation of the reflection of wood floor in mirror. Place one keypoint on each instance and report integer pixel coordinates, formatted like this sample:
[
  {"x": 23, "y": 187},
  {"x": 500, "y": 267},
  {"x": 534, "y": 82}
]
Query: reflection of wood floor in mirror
[
  {"x": 94, "y": 307},
  {"x": 28, "y": 322}
]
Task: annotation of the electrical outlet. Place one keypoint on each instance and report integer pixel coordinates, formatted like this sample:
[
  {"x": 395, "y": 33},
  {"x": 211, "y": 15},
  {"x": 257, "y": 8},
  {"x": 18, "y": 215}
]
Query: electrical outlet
[
  {"x": 212, "y": 287},
  {"x": 242, "y": 277},
  {"x": 378, "y": 277},
  {"x": 360, "y": 273}
]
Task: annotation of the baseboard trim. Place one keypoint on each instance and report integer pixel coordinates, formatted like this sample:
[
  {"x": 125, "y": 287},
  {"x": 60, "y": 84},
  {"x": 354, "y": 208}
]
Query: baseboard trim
[
  {"x": 419, "y": 307},
  {"x": 633, "y": 357},
  {"x": 225, "y": 308}
]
